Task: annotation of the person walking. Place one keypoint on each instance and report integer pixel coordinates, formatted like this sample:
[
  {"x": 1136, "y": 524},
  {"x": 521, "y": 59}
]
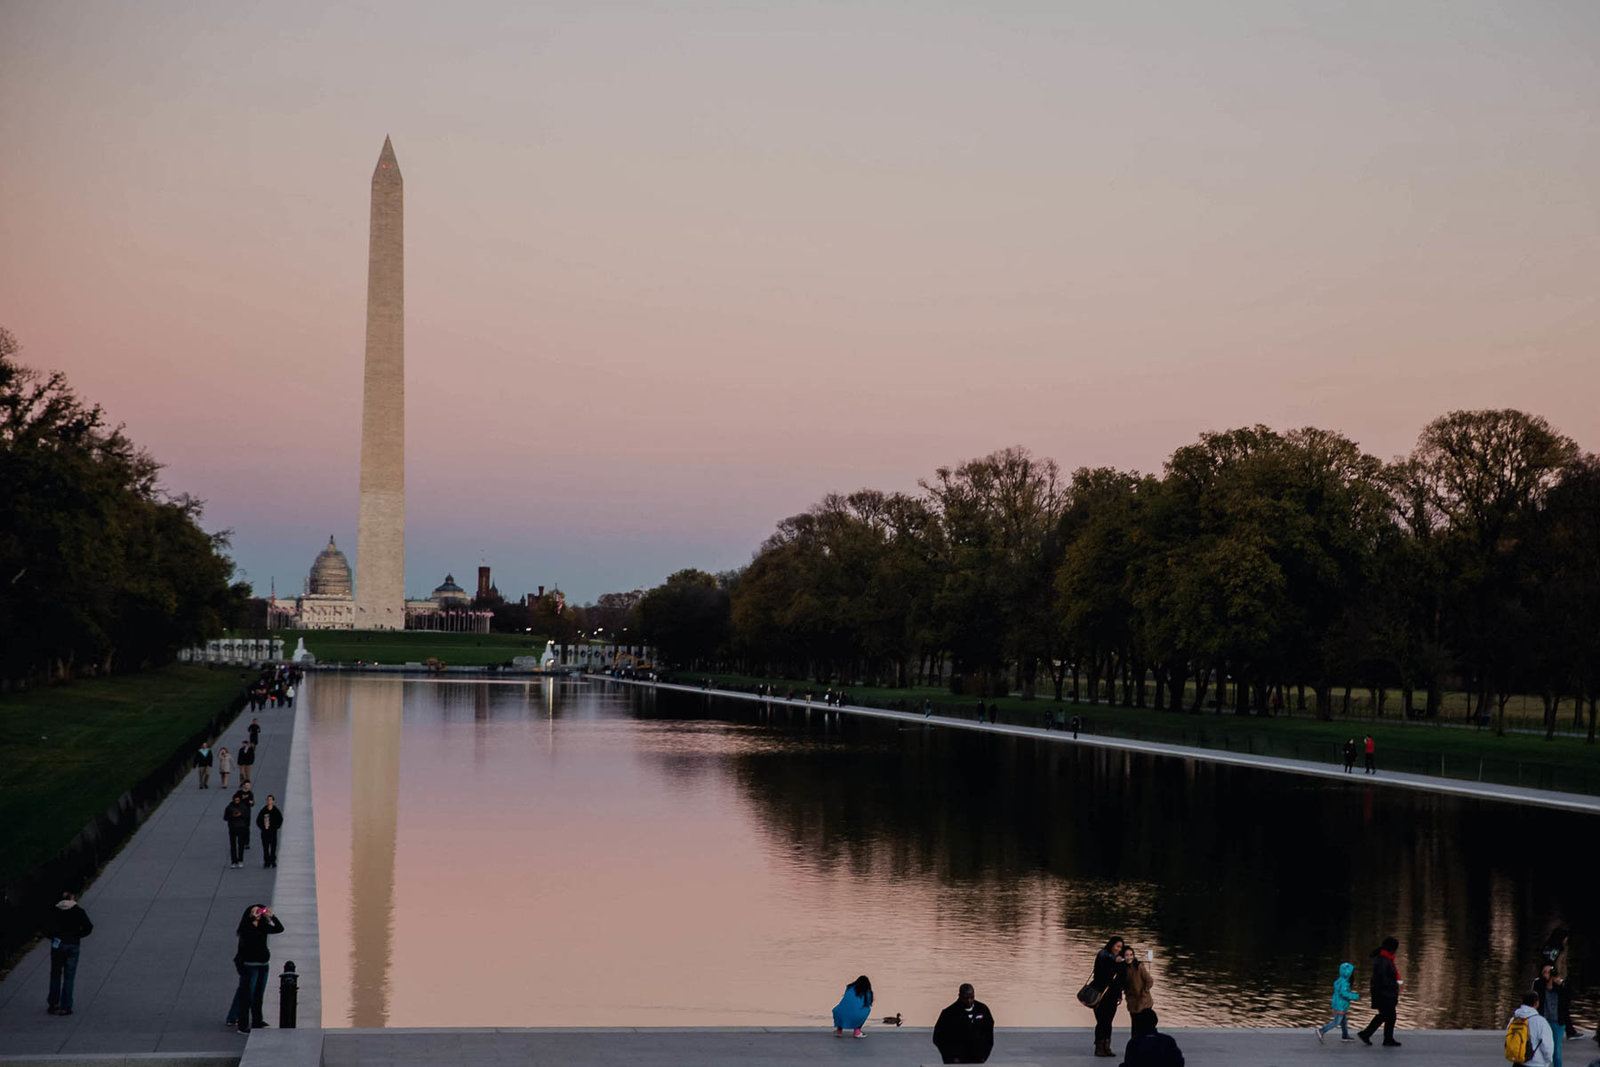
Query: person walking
[
  {"x": 246, "y": 761},
  {"x": 1149, "y": 1047},
  {"x": 1529, "y": 1037},
  {"x": 249, "y": 798},
  {"x": 254, "y": 730},
  {"x": 1350, "y": 756},
  {"x": 252, "y": 961},
  {"x": 1109, "y": 969},
  {"x": 853, "y": 1008},
  {"x": 1372, "y": 755},
  {"x": 224, "y": 766},
  {"x": 1136, "y": 983},
  {"x": 202, "y": 761},
  {"x": 268, "y": 820},
  {"x": 288, "y": 694},
  {"x": 66, "y": 926},
  {"x": 1343, "y": 995},
  {"x": 965, "y": 1030},
  {"x": 1385, "y": 990},
  {"x": 237, "y": 816}
]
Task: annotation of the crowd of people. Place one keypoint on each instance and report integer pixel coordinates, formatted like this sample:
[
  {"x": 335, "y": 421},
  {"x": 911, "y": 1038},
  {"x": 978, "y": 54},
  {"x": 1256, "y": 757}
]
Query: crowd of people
[{"x": 1122, "y": 979}]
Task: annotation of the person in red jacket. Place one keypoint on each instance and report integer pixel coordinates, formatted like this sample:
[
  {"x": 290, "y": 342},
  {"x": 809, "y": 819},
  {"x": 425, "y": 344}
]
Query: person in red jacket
[{"x": 1372, "y": 755}]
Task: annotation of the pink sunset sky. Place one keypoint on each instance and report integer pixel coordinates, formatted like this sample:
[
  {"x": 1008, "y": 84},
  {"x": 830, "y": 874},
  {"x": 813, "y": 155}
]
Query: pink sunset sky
[{"x": 675, "y": 270}]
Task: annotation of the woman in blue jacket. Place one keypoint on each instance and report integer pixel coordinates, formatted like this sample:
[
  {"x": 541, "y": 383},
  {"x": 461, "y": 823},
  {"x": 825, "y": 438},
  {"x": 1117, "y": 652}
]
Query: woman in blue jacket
[{"x": 853, "y": 1008}]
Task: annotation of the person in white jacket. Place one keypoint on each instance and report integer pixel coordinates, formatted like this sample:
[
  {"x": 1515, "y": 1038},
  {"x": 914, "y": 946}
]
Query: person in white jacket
[{"x": 1541, "y": 1042}]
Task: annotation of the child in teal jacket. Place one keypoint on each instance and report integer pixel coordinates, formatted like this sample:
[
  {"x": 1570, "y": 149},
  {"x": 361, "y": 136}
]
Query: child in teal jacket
[{"x": 1342, "y": 996}]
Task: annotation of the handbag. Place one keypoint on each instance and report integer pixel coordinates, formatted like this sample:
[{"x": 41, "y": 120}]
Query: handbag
[{"x": 1090, "y": 995}]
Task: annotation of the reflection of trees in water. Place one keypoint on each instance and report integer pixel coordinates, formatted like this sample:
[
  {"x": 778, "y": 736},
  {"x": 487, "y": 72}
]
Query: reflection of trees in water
[{"x": 1255, "y": 886}]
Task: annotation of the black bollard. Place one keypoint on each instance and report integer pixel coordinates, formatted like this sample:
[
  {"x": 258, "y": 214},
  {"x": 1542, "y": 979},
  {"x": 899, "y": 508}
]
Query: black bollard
[{"x": 288, "y": 996}]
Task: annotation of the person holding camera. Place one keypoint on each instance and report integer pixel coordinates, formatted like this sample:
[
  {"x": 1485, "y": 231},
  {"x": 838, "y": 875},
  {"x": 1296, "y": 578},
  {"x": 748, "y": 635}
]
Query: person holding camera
[
  {"x": 252, "y": 961},
  {"x": 1104, "y": 992}
]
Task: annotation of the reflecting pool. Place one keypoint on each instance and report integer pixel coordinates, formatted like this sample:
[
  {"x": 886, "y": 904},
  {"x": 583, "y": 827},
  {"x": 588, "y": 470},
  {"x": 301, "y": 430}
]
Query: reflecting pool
[{"x": 583, "y": 853}]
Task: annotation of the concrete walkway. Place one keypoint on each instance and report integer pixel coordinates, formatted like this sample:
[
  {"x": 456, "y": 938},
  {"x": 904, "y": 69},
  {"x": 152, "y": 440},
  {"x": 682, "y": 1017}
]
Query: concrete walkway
[
  {"x": 1454, "y": 786},
  {"x": 755, "y": 1047},
  {"x": 157, "y": 976}
]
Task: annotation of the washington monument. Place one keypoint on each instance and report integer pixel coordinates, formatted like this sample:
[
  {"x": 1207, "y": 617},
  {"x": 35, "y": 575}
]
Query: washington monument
[{"x": 381, "y": 535}]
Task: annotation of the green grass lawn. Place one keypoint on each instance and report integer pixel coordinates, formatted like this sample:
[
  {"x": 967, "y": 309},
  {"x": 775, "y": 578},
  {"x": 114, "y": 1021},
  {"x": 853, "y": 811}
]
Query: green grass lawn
[
  {"x": 67, "y": 752},
  {"x": 1567, "y": 764},
  {"x": 412, "y": 646}
]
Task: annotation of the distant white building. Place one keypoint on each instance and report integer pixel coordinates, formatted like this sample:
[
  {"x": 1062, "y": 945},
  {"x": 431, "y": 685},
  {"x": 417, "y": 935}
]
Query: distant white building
[{"x": 327, "y": 603}]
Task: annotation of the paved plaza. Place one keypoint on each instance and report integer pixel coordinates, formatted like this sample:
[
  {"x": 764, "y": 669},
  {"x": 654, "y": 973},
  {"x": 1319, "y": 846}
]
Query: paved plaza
[
  {"x": 157, "y": 973},
  {"x": 911, "y": 1045}
]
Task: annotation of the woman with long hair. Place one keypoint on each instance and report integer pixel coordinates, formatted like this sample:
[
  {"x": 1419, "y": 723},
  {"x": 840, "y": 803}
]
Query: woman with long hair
[
  {"x": 853, "y": 1008},
  {"x": 1110, "y": 975}
]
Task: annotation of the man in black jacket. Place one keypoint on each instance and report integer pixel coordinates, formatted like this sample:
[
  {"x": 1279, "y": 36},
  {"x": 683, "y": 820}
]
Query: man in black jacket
[
  {"x": 66, "y": 925},
  {"x": 1149, "y": 1047},
  {"x": 965, "y": 1030},
  {"x": 237, "y": 816},
  {"x": 268, "y": 820}
]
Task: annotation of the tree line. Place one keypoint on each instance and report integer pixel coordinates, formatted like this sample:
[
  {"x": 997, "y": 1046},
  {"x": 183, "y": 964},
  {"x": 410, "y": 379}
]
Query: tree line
[
  {"x": 1260, "y": 570},
  {"x": 100, "y": 568}
]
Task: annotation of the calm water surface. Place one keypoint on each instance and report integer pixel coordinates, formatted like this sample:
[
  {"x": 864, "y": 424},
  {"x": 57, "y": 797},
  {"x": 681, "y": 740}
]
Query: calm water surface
[{"x": 571, "y": 853}]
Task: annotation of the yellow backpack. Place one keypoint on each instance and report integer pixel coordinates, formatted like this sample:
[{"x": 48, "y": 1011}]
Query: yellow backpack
[{"x": 1518, "y": 1047}]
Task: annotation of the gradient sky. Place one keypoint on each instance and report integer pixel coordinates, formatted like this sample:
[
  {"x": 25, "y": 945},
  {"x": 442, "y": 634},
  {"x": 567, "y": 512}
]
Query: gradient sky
[{"x": 675, "y": 270}]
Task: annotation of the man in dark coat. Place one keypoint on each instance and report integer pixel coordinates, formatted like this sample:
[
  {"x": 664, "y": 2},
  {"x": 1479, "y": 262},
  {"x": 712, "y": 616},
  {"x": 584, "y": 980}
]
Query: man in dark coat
[
  {"x": 1148, "y": 1047},
  {"x": 246, "y": 759},
  {"x": 1385, "y": 993},
  {"x": 203, "y": 760},
  {"x": 65, "y": 926},
  {"x": 237, "y": 816},
  {"x": 965, "y": 1030},
  {"x": 268, "y": 820}
]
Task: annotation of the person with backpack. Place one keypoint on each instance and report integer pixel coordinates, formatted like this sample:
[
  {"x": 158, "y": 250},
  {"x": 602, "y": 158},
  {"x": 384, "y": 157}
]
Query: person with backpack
[
  {"x": 1385, "y": 991},
  {"x": 1529, "y": 1040},
  {"x": 1343, "y": 995}
]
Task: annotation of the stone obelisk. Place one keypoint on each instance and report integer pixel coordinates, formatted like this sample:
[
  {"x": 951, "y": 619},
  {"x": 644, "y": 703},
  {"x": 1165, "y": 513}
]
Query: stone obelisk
[{"x": 381, "y": 535}]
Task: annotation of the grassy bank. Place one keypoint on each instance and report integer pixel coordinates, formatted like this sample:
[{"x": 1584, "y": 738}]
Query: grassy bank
[
  {"x": 67, "y": 752},
  {"x": 1566, "y": 764},
  {"x": 412, "y": 646}
]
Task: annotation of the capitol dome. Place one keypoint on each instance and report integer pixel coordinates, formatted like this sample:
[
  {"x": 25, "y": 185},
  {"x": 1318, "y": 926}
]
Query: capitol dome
[{"x": 330, "y": 574}]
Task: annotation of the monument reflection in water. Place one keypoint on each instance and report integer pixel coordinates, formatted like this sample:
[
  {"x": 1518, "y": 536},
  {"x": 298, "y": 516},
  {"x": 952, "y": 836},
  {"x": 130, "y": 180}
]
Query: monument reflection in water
[{"x": 572, "y": 854}]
